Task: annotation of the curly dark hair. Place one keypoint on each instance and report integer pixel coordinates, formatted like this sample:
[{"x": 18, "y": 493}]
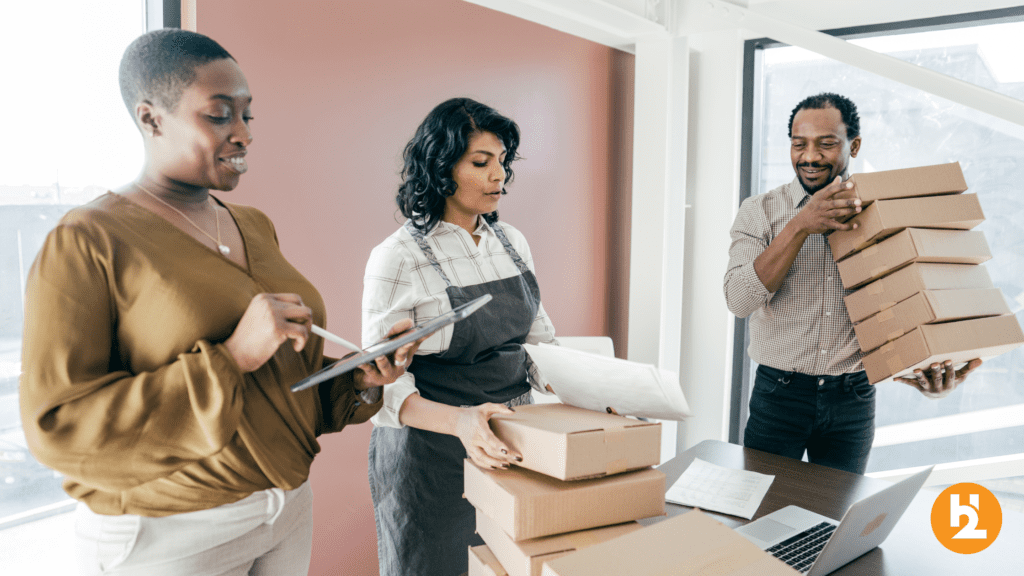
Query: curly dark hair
[
  {"x": 159, "y": 65},
  {"x": 830, "y": 100},
  {"x": 439, "y": 142}
]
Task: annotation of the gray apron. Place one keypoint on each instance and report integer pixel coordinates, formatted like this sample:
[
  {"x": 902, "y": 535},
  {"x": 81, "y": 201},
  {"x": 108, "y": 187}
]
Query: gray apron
[{"x": 424, "y": 526}]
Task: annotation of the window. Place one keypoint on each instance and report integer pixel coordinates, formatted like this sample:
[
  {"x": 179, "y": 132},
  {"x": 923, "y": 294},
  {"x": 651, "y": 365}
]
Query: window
[
  {"x": 980, "y": 427},
  {"x": 67, "y": 138}
]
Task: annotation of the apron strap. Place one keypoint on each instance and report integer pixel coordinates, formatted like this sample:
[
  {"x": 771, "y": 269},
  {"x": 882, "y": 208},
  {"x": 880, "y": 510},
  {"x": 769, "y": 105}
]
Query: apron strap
[
  {"x": 421, "y": 240},
  {"x": 523, "y": 269}
]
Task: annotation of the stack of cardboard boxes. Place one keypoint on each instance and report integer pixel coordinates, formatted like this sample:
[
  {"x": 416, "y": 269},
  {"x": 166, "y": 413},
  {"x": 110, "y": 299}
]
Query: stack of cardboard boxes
[
  {"x": 585, "y": 478},
  {"x": 922, "y": 294}
]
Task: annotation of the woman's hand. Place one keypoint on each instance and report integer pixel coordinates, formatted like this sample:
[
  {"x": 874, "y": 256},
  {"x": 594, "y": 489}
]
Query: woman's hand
[
  {"x": 482, "y": 446},
  {"x": 269, "y": 320},
  {"x": 382, "y": 370}
]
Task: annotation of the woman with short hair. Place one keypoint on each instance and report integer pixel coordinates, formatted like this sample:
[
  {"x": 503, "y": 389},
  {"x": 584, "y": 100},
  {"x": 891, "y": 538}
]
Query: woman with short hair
[
  {"x": 163, "y": 329},
  {"x": 451, "y": 250}
]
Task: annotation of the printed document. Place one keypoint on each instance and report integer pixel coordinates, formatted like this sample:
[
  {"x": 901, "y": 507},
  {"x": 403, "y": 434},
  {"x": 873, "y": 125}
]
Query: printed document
[{"x": 711, "y": 487}]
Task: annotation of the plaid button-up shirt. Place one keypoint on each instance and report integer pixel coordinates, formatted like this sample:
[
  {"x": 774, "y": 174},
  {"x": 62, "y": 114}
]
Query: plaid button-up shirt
[
  {"x": 804, "y": 326},
  {"x": 401, "y": 283}
]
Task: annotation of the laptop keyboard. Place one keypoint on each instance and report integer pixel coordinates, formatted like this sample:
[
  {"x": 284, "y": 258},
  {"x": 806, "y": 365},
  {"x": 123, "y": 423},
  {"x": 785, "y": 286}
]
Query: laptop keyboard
[{"x": 801, "y": 550}]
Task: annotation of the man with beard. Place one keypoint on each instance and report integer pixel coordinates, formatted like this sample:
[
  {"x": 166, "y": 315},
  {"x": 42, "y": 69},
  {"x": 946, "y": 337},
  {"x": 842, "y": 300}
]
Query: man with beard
[{"x": 810, "y": 392}]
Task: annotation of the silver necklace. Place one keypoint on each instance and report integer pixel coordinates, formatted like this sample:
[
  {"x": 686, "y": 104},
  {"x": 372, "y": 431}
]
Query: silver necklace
[{"x": 220, "y": 245}]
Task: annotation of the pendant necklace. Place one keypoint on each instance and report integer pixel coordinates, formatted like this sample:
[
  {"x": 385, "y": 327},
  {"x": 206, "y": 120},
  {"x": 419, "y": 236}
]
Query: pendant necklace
[{"x": 220, "y": 245}]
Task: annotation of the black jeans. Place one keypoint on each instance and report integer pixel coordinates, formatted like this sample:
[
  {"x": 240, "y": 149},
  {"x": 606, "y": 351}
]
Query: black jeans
[{"x": 831, "y": 417}]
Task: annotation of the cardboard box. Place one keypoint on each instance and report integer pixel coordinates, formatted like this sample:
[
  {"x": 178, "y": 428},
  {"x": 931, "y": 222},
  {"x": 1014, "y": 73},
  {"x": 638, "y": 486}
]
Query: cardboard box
[
  {"x": 929, "y": 307},
  {"x": 483, "y": 562},
  {"x": 883, "y": 218},
  {"x": 690, "y": 544},
  {"x": 905, "y": 282},
  {"x": 571, "y": 443},
  {"x": 913, "y": 245},
  {"x": 526, "y": 558},
  {"x": 957, "y": 341},
  {"x": 527, "y": 504},
  {"x": 940, "y": 179}
]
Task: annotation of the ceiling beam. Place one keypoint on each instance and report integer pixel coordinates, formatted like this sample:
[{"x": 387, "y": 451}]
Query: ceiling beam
[{"x": 595, "y": 20}]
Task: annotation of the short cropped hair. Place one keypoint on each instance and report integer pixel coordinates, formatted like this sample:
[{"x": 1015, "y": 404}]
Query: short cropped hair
[
  {"x": 846, "y": 108},
  {"x": 437, "y": 145},
  {"x": 159, "y": 65}
]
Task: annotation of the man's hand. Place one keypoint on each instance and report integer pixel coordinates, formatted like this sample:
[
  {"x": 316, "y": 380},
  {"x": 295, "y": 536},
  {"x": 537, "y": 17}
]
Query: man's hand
[
  {"x": 826, "y": 208},
  {"x": 938, "y": 380}
]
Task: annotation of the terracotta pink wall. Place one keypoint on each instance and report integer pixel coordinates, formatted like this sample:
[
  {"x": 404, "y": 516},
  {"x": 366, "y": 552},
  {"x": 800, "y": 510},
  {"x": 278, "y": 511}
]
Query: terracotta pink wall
[{"x": 339, "y": 88}]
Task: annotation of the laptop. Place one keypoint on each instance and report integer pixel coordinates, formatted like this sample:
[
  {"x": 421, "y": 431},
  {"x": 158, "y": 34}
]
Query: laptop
[{"x": 815, "y": 545}]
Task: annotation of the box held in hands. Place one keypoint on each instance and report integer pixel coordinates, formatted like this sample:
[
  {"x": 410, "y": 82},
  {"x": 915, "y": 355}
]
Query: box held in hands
[
  {"x": 937, "y": 180},
  {"x": 913, "y": 245},
  {"x": 883, "y": 218},
  {"x": 929, "y": 307},
  {"x": 957, "y": 341},
  {"x": 571, "y": 443},
  {"x": 902, "y": 284}
]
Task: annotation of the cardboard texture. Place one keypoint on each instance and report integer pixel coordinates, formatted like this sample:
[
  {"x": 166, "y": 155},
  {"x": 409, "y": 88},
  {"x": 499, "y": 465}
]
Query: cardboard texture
[
  {"x": 913, "y": 245},
  {"x": 902, "y": 284},
  {"x": 527, "y": 504},
  {"x": 929, "y": 307},
  {"x": 526, "y": 558},
  {"x": 571, "y": 443},
  {"x": 690, "y": 544},
  {"x": 883, "y": 218},
  {"x": 934, "y": 180},
  {"x": 483, "y": 562},
  {"x": 957, "y": 341}
]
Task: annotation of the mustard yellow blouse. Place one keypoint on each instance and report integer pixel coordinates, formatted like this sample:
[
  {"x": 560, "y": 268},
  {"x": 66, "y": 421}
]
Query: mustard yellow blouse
[{"x": 127, "y": 388}]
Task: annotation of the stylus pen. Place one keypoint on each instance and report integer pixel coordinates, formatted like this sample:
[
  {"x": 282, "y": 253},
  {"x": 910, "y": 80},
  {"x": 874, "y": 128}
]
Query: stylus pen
[{"x": 336, "y": 339}]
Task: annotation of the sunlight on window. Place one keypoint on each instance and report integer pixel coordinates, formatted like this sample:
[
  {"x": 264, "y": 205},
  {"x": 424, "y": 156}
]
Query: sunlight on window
[
  {"x": 67, "y": 138},
  {"x": 65, "y": 127}
]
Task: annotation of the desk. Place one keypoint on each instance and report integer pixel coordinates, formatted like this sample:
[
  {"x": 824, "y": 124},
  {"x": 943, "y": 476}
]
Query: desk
[{"x": 910, "y": 550}]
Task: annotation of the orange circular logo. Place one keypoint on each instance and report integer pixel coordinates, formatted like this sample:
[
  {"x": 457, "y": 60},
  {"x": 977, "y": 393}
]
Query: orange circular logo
[{"x": 966, "y": 518}]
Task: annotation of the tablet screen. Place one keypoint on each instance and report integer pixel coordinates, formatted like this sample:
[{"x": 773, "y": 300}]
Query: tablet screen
[{"x": 389, "y": 345}]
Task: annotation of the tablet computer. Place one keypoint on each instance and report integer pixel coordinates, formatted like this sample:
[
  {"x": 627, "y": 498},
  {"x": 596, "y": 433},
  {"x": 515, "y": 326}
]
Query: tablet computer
[{"x": 389, "y": 345}]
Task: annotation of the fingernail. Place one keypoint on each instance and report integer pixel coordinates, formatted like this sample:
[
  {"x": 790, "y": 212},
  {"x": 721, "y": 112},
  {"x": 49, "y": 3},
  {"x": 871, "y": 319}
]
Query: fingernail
[
  {"x": 504, "y": 466},
  {"x": 519, "y": 458},
  {"x": 503, "y": 451}
]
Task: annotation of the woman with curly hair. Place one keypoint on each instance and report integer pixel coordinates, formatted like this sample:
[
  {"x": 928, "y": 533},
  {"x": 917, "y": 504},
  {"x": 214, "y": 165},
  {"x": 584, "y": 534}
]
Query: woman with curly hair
[{"x": 451, "y": 250}]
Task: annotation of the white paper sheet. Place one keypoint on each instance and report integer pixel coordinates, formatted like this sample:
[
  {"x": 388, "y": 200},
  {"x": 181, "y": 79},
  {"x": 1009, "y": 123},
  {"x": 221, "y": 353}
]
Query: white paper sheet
[
  {"x": 597, "y": 382},
  {"x": 711, "y": 487}
]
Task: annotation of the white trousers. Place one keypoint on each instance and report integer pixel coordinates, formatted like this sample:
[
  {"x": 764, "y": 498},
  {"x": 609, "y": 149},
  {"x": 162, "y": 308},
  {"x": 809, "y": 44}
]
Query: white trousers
[{"x": 269, "y": 533}]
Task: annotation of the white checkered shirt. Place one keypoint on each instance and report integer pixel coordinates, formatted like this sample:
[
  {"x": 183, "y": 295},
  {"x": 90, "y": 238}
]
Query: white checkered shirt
[
  {"x": 804, "y": 326},
  {"x": 400, "y": 283}
]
